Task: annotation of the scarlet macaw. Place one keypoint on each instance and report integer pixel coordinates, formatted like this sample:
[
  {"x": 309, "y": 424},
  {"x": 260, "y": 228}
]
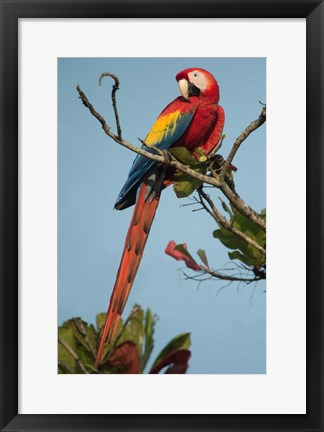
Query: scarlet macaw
[{"x": 192, "y": 120}]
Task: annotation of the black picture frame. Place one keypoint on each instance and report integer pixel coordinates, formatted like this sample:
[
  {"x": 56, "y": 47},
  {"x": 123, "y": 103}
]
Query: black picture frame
[{"x": 11, "y": 11}]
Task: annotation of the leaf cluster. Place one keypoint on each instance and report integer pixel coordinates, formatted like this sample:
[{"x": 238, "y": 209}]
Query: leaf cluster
[
  {"x": 184, "y": 184},
  {"x": 242, "y": 250},
  {"x": 129, "y": 352}
]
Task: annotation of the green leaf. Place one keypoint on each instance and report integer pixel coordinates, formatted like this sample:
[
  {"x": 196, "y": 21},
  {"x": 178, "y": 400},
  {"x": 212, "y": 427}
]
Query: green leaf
[
  {"x": 149, "y": 340},
  {"x": 80, "y": 337},
  {"x": 91, "y": 368},
  {"x": 231, "y": 240},
  {"x": 245, "y": 252},
  {"x": 249, "y": 228},
  {"x": 65, "y": 332},
  {"x": 183, "y": 155},
  {"x": 100, "y": 320},
  {"x": 181, "y": 341},
  {"x": 86, "y": 335},
  {"x": 63, "y": 368},
  {"x": 249, "y": 261},
  {"x": 226, "y": 208},
  {"x": 134, "y": 330},
  {"x": 185, "y": 185},
  {"x": 244, "y": 224},
  {"x": 202, "y": 255}
]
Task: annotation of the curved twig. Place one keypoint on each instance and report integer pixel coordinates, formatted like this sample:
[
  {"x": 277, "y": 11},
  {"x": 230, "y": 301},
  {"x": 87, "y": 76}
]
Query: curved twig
[{"x": 113, "y": 98}]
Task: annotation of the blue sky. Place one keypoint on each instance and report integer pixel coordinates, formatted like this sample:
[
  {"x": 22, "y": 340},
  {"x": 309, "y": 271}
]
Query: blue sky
[{"x": 227, "y": 326}]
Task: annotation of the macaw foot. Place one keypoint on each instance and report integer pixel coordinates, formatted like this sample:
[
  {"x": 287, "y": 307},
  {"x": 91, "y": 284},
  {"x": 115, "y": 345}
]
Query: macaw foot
[
  {"x": 167, "y": 157},
  {"x": 218, "y": 161}
]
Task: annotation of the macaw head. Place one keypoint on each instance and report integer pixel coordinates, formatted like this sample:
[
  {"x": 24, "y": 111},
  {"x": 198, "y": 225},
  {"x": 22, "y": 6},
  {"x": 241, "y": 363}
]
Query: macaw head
[{"x": 197, "y": 82}]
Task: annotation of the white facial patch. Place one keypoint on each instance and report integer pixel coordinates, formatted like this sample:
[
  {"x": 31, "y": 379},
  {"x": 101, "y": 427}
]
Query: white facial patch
[{"x": 198, "y": 79}]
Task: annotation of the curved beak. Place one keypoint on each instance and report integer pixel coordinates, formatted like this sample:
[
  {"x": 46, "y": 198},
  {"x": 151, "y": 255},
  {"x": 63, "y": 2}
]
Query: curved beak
[{"x": 184, "y": 88}]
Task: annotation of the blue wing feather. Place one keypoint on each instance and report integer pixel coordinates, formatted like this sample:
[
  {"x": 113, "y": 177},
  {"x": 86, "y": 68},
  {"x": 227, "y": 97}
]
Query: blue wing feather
[{"x": 166, "y": 130}]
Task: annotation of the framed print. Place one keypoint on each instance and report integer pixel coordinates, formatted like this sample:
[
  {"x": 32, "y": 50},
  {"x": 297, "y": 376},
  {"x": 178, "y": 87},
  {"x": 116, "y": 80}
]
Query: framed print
[{"x": 179, "y": 349}]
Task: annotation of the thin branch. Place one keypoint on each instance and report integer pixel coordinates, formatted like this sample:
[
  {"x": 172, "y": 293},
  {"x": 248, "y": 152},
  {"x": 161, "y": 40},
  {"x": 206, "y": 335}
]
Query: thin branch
[
  {"x": 74, "y": 355},
  {"x": 252, "y": 127},
  {"x": 157, "y": 158},
  {"x": 215, "y": 213},
  {"x": 113, "y": 98},
  {"x": 242, "y": 207},
  {"x": 233, "y": 197},
  {"x": 222, "y": 276}
]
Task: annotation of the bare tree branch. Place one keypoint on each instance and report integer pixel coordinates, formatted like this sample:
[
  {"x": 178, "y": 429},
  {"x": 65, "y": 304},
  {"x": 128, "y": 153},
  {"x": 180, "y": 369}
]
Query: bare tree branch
[
  {"x": 113, "y": 98},
  {"x": 157, "y": 158},
  {"x": 170, "y": 160},
  {"x": 221, "y": 276},
  {"x": 252, "y": 127},
  {"x": 231, "y": 277},
  {"x": 242, "y": 207},
  {"x": 228, "y": 188}
]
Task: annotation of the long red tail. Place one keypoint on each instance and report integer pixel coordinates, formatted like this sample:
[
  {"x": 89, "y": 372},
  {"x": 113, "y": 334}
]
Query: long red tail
[{"x": 138, "y": 231}]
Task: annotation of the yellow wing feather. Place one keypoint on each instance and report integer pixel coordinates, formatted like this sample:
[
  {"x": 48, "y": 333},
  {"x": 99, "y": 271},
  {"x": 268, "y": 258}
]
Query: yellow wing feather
[{"x": 163, "y": 128}]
